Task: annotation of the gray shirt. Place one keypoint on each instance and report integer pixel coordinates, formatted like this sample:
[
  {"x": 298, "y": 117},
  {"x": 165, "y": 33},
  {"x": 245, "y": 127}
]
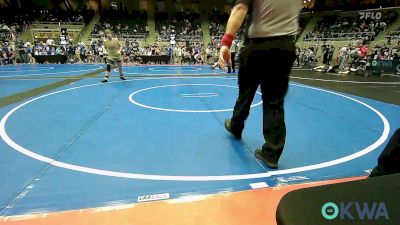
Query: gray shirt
[{"x": 271, "y": 18}]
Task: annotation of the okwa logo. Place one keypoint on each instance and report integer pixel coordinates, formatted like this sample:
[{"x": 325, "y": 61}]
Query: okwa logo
[{"x": 363, "y": 211}]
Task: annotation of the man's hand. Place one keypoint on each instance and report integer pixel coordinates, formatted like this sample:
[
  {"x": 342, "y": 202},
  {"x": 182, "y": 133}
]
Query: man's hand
[{"x": 224, "y": 57}]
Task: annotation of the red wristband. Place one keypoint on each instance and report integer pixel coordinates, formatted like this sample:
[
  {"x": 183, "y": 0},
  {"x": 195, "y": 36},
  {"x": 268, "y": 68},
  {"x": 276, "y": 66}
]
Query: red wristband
[{"x": 227, "y": 40}]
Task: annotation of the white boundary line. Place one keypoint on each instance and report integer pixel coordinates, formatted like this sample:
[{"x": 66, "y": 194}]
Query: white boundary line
[
  {"x": 391, "y": 75},
  {"x": 344, "y": 81},
  {"x": 23, "y": 70},
  {"x": 29, "y": 153},
  {"x": 358, "y": 82},
  {"x": 72, "y": 71}
]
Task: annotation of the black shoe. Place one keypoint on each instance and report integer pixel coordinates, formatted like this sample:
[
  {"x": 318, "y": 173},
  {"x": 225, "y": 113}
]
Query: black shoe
[
  {"x": 229, "y": 128},
  {"x": 122, "y": 78},
  {"x": 268, "y": 162},
  {"x": 104, "y": 81},
  {"x": 229, "y": 70},
  {"x": 233, "y": 71}
]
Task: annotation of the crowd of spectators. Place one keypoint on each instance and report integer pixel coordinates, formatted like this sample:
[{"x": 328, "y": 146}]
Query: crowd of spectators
[
  {"x": 178, "y": 35},
  {"x": 13, "y": 23},
  {"x": 349, "y": 58},
  {"x": 94, "y": 52},
  {"x": 123, "y": 24},
  {"x": 393, "y": 36},
  {"x": 386, "y": 52},
  {"x": 182, "y": 26},
  {"x": 350, "y": 28},
  {"x": 59, "y": 15},
  {"x": 218, "y": 25}
]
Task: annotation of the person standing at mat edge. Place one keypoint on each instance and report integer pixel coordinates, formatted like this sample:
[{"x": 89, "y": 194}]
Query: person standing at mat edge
[
  {"x": 231, "y": 64},
  {"x": 269, "y": 46},
  {"x": 113, "y": 48}
]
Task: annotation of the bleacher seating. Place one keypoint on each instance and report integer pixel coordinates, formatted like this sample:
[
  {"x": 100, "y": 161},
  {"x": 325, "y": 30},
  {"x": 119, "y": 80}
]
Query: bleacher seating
[
  {"x": 184, "y": 26},
  {"x": 58, "y": 15},
  {"x": 394, "y": 35},
  {"x": 350, "y": 27},
  {"x": 123, "y": 24}
]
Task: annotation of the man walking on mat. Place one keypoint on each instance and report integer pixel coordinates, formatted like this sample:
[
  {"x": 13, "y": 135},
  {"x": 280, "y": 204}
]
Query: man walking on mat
[{"x": 269, "y": 43}]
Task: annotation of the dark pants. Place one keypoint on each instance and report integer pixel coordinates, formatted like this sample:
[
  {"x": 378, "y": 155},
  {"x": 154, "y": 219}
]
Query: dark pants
[
  {"x": 266, "y": 62},
  {"x": 389, "y": 160},
  {"x": 233, "y": 55},
  {"x": 23, "y": 57}
]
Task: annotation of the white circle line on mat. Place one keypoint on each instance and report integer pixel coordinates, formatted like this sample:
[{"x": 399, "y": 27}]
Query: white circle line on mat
[
  {"x": 29, "y": 153},
  {"x": 184, "y": 110}
]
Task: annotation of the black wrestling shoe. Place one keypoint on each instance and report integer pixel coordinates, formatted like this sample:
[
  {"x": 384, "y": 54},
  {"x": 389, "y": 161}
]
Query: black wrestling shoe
[
  {"x": 229, "y": 128},
  {"x": 268, "y": 162}
]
